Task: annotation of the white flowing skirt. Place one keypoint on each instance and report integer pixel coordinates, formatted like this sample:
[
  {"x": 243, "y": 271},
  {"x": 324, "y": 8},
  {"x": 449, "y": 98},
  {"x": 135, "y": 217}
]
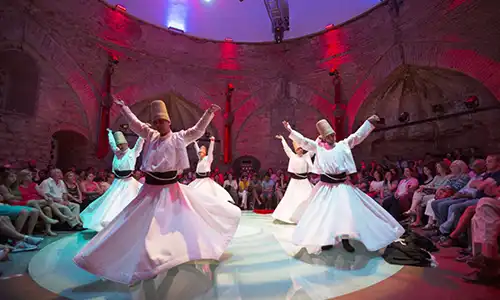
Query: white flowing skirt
[
  {"x": 164, "y": 226},
  {"x": 294, "y": 202},
  {"x": 210, "y": 187},
  {"x": 105, "y": 208},
  {"x": 342, "y": 211}
]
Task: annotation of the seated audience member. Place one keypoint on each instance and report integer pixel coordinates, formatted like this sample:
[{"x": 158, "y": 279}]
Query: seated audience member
[
  {"x": 388, "y": 188},
  {"x": 267, "y": 195},
  {"x": 441, "y": 207},
  {"x": 485, "y": 233},
  {"x": 90, "y": 190},
  {"x": 73, "y": 188},
  {"x": 19, "y": 241},
  {"x": 243, "y": 191},
  {"x": 484, "y": 188},
  {"x": 105, "y": 184},
  {"x": 401, "y": 198},
  {"x": 427, "y": 191},
  {"x": 255, "y": 192},
  {"x": 17, "y": 194},
  {"x": 463, "y": 225},
  {"x": 364, "y": 180},
  {"x": 376, "y": 185},
  {"x": 20, "y": 215},
  {"x": 55, "y": 189},
  {"x": 231, "y": 186},
  {"x": 280, "y": 187},
  {"x": 30, "y": 192},
  {"x": 458, "y": 179}
]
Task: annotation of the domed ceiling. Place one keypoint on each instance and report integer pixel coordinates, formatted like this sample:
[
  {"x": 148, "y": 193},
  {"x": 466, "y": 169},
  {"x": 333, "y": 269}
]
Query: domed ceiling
[{"x": 243, "y": 21}]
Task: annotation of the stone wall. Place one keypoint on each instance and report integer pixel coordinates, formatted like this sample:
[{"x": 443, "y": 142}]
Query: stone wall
[{"x": 72, "y": 39}]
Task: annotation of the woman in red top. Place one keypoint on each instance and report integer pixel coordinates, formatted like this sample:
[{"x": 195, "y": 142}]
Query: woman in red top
[{"x": 31, "y": 196}]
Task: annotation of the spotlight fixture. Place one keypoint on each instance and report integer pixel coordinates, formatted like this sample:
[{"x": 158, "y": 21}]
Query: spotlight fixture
[
  {"x": 438, "y": 109},
  {"x": 175, "y": 30},
  {"x": 230, "y": 87},
  {"x": 472, "y": 102},
  {"x": 120, "y": 7},
  {"x": 334, "y": 72},
  {"x": 404, "y": 117},
  {"x": 114, "y": 59},
  {"x": 278, "y": 35}
]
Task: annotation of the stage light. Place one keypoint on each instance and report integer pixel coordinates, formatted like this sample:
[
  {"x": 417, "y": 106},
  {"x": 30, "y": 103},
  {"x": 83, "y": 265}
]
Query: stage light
[
  {"x": 229, "y": 40},
  {"x": 278, "y": 35},
  {"x": 114, "y": 59},
  {"x": 404, "y": 117},
  {"x": 175, "y": 30},
  {"x": 120, "y": 7},
  {"x": 472, "y": 102},
  {"x": 230, "y": 87},
  {"x": 334, "y": 72},
  {"x": 329, "y": 26}
]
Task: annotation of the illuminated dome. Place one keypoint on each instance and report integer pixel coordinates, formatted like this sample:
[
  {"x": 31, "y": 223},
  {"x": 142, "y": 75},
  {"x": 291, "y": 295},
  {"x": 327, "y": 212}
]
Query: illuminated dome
[{"x": 245, "y": 21}]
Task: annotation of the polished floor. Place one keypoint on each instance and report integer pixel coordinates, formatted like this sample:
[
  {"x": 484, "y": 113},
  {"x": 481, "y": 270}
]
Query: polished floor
[{"x": 261, "y": 263}]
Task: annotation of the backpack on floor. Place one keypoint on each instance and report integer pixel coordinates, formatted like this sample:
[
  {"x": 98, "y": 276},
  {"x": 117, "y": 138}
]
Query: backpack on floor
[
  {"x": 417, "y": 240},
  {"x": 411, "y": 249}
]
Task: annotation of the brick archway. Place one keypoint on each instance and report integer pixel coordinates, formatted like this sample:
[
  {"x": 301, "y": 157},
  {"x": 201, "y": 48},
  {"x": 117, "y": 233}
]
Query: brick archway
[
  {"x": 152, "y": 86},
  {"x": 466, "y": 61},
  {"x": 31, "y": 51},
  {"x": 50, "y": 50}
]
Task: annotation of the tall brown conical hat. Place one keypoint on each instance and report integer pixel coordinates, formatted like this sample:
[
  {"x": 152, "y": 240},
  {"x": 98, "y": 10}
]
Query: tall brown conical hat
[
  {"x": 159, "y": 111},
  {"x": 324, "y": 128},
  {"x": 119, "y": 138}
]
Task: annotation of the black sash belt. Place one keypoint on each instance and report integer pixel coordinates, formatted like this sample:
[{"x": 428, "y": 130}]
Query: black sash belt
[
  {"x": 202, "y": 175},
  {"x": 161, "y": 178},
  {"x": 123, "y": 174},
  {"x": 298, "y": 176},
  {"x": 333, "y": 178}
]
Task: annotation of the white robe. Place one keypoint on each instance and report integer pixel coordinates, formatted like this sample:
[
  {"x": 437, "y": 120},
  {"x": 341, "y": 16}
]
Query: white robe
[
  {"x": 207, "y": 185},
  {"x": 121, "y": 192},
  {"x": 294, "y": 202},
  {"x": 165, "y": 225},
  {"x": 342, "y": 211}
]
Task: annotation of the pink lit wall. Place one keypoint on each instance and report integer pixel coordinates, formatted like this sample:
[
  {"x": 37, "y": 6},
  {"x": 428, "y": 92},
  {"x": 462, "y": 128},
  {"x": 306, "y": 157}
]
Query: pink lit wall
[{"x": 245, "y": 21}]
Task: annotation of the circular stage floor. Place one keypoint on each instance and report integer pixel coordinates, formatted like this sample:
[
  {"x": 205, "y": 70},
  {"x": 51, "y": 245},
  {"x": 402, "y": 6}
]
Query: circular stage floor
[{"x": 261, "y": 263}]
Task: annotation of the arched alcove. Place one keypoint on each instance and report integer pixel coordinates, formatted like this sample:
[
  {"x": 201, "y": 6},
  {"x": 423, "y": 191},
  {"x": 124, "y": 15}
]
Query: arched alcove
[
  {"x": 183, "y": 115},
  {"x": 427, "y": 93},
  {"x": 71, "y": 149},
  {"x": 19, "y": 78}
]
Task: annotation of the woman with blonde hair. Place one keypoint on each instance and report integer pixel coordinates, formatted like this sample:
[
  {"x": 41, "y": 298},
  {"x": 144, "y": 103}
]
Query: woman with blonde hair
[
  {"x": 427, "y": 192},
  {"x": 456, "y": 180}
]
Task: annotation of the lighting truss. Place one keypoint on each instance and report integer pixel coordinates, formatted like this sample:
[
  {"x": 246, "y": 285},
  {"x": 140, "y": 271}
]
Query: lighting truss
[{"x": 278, "y": 12}]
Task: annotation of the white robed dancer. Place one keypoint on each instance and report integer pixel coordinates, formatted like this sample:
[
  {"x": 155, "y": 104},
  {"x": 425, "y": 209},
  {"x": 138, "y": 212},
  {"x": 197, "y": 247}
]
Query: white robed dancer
[
  {"x": 203, "y": 183},
  {"x": 168, "y": 223},
  {"x": 294, "y": 202},
  {"x": 338, "y": 211},
  {"x": 123, "y": 189}
]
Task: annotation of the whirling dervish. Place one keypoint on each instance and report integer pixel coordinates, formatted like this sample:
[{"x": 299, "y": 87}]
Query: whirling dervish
[
  {"x": 168, "y": 223},
  {"x": 338, "y": 211},
  {"x": 123, "y": 189},
  {"x": 203, "y": 183},
  {"x": 294, "y": 202}
]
